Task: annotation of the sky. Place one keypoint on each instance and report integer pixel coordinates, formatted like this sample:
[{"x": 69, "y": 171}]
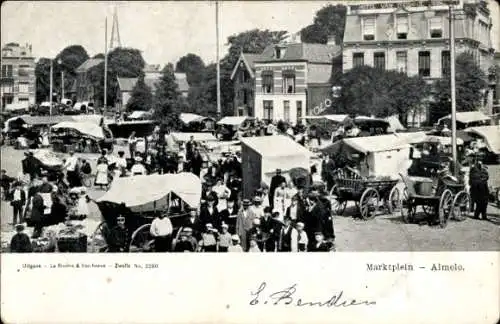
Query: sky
[{"x": 163, "y": 31}]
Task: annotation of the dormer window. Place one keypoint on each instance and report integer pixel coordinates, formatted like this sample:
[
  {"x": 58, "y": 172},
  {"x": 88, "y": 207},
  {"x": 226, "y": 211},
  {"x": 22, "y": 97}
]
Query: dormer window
[
  {"x": 402, "y": 26},
  {"x": 436, "y": 27},
  {"x": 279, "y": 52},
  {"x": 369, "y": 28}
]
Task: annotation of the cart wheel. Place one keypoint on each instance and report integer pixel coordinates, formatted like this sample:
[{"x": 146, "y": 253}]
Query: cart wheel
[
  {"x": 445, "y": 207},
  {"x": 406, "y": 207},
  {"x": 369, "y": 203},
  {"x": 461, "y": 204},
  {"x": 393, "y": 201},
  {"x": 141, "y": 239},
  {"x": 98, "y": 238},
  {"x": 338, "y": 206}
]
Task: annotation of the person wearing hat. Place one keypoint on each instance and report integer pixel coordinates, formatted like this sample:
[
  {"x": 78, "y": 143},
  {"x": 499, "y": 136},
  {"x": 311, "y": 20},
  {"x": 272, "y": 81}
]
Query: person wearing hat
[
  {"x": 257, "y": 210},
  {"x": 208, "y": 241},
  {"x": 302, "y": 240},
  {"x": 193, "y": 223},
  {"x": 319, "y": 244},
  {"x": 82, "y": 206},
  {"x": 18, "y": 201},
  {"x": 184, "y": 244},
  {"x": 224, "y": 238},
  {"x": 279, "y": 199},
  {"x": 45, "y": 186},
  {"x": 479, "y": 190},
  {"x": 138, "y": 168},
  {"x": 209, "y": 213},
  {"x": 196, "y": 162},
  {"x": 121, "y": 163},
  {"x": 222, "y": 192},
  {"x": 229, "y": 216},
  {"x": 288, "y": 237},
  {"x": 235, "y": 247},
  {"x": 253, "y": 244},
  {"x": 161, "y": 230},
  {"x": 275, "y": 226},
  {"x": 119, "y": 236},
  {"x": 37, "y": 214},
  {"x": 132, "y": 145},
  {"x": 5, "y": 183},
  {"x": 244, "y": 222},
  {"x": 276, "y": 181},
  {"x": 257, "y": 233},
  {"x": 71, "y": 167},
  {"x": 101, "y": 176},
  {"x": 20, "y": 242}
]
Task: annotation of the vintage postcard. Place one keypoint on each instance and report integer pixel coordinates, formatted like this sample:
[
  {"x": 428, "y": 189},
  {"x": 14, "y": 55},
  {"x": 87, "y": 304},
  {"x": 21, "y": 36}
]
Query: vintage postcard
[{"x": 250, "y": 161}]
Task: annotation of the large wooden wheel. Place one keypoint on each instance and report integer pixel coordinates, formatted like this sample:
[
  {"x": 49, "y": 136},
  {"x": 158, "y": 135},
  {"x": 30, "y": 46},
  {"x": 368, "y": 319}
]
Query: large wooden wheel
[
  {"x": 460, "y": 207},
  {"x": 407, "y": 209},
  {"x": 393, "y": 201},
  {"x": 368, "y": 203},
  {"x": 141, "y": 239},
  {"x": 445, "y": 207},
  {"x": 338, "y": 205},
  {"x": 98, "y": 240}
]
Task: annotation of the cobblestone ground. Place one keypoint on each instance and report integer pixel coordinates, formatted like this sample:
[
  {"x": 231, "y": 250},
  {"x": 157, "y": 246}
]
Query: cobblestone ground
[{"x": 384, "y": 233}]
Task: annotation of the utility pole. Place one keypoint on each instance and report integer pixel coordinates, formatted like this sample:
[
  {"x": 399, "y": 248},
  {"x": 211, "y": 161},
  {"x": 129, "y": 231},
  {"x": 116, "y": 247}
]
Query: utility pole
[
  {"x": 51, "y": 84},
  {"x": 105, "y": 64},
  {"x": 62, "y": 85},
  {"x": 451, "y": 20},
  {"x": 219, "y": 110}
]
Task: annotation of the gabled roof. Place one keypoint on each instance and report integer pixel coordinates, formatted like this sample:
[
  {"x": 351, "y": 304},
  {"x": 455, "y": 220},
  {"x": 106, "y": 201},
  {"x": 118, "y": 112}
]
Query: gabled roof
[
  {"x": 88, "y": 64},
  {"x": 312, "y": 53},
  {"x": 248, "y": 60}
]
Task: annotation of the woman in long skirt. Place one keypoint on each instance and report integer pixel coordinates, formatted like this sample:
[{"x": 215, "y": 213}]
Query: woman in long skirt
[
  {"x": 279, "y": 199},
  {"x": 101, "y": 176},
  {"x": 290, "y": 191}
]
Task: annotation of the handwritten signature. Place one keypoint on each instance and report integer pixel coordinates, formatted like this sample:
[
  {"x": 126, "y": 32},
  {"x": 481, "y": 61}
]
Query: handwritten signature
[{"x": 287, "y": 297}]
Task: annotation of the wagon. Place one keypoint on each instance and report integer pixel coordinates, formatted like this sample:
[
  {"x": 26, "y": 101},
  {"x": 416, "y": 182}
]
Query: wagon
[
  {"x": 367, "y": 193},
  {"x": 445, "y": 200},
  {"x": 139, "y": 198}
]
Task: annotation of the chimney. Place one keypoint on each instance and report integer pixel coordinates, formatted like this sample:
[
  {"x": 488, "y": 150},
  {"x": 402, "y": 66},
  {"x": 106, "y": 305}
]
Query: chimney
[{"x": 332, "y": 40}]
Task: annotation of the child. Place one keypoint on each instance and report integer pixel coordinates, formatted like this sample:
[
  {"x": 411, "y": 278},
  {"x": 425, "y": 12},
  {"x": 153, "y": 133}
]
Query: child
[
  {"x": 302, "y": 239},
  {"x": 20, "y": 242},
  {"x": 236, "y": 247},
  {"x": 224, "y": 239},
  {"x": 208, "y": 241},
  {"x": 82, "y": 207},
  {"x": 253, "y": 245}
]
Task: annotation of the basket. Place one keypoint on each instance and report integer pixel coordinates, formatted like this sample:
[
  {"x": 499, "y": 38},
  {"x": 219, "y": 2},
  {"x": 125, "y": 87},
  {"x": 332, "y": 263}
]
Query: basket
[{"x": 72, "y": 243}]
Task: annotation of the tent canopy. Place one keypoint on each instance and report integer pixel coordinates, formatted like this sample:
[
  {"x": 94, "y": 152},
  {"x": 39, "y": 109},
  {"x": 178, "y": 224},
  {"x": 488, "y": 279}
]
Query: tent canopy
[
  {"x": 47, "y": 157},
  {"x": 422, "y": 137},
  {"x": 394, "y": 123},
  {"x": 467, "y": 117},
  {"x": 490, "y": 135},
  {"x": 185, "y": 137},
  {"x": 149, "y": 192},
  {"x": 139, "y": 114},
  {"x": 17, "y": 106},
  {"x": 339, "y": 118},
  {"x": 274, "y": 146},
  {"x": 84, "y": 128},
  {"x": 188, "y": 118},
  {"x": 233, "y": 120},
  {"x": 369, "y": 144}
]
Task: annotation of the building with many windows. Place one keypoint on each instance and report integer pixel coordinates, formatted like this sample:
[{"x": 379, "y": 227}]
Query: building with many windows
[
  {"x": 243, "y": 77},
  {"x": 413, "y": 37},
  {"x": 18, "y": 77},
  {"x": 292, "y": 78}
]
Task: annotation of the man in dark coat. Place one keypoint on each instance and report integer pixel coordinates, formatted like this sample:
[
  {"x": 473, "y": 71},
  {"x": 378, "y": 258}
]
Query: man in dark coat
[
  {"x": 118, "y": 237},
  {"x": 276, "y": 181},
  {"x": 196, "y": 162},
  {"x": 209, "y": 214},
  {"x": 20, "y": 242},
  {"x": 478, "y": 180},
  {"x": 314, "y": 219},
  {"x": 229, "y": 216},
  {"x": 37, "y": 214},
  {"x": 319, "y": 244},
  {"x": 18, "y": 201}
]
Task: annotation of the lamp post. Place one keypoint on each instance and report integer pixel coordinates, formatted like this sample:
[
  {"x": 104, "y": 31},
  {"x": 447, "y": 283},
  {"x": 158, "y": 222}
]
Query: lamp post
[
  {"x": 219, "y": 110},
  {"x": 59, "y": 61},
  {"x": 51, "y": 84}
]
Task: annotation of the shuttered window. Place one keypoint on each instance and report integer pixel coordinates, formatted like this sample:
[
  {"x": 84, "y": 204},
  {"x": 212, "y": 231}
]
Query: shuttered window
[
  {"x": 424, "y": 63},
  {"x": 369, "y": 28},
  {"x": 402, "y": 26},
  {"x": 436, "y": 27}
]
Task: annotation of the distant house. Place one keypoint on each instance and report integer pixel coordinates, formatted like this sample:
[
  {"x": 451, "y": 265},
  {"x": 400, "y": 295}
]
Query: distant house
[
  {"x": 243, "y": 77},
  {"x": 85, "y": 89},
  {"x": 151, "y": 78}
]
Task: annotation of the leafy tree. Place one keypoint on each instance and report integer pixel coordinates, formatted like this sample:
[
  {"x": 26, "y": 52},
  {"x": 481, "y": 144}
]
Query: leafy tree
[
  {"x": 42, "y": 74},
  {"x": 167, "y": 100},
  {"x": 469, "y": 81},
  {"x": 193, "y": 66},
  {"x": 329, "y": 20},
  {"x": 141, "y": 97}
]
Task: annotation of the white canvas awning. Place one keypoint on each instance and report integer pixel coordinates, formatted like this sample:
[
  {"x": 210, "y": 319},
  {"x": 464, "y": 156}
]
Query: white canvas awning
[
  {"x": 198, "y": 137},
  {"x": 371, "y": 144},
  {"x": 187, "y": 118},
  {"x": 395, "y": 124},
  {"x": 85, "y": 128},
  {"x": 139, "y": 114},
  {"x": 339, "y": 118},
  {"x": 275, "y": 146},
  {"x": 232, "y": 120},
  {"x": 468, "y": 117},
  {"x": 17, "y": 106},
  {"x": 490, "y": 135}
]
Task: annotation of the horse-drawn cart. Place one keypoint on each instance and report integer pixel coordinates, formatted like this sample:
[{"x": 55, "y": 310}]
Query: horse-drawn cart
[{"x": 139, "y": 198}]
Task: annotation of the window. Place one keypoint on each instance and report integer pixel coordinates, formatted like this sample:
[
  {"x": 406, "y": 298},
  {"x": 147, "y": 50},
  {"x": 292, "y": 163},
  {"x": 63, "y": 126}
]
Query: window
[
  {"x": 22, "y": 99},
  {"x": 369, "y": 28},
  {"x": 7, "y": 71},
  {"x": 358, "y": 59},
  {"x": 401, "y": 62},
  {"x": 445, "y": 63},
  {"x": 288, "y": 82},
  {"x": 268, "y": 109},
  {"x": 424, "y": 64},
  {"x": 379, "y": 60},
  {"x": 23, "y": 87},
  {"x": 299, "y": 110},
  {"x": 286, "y": 110},
  {"x": 7, "y": 88},
  {"x": 243, "y": 77},
  {"x": 402, "y": 26},
  {"x": 278, "y": 52},
  {"x": 267, "y": 82},
  {"x": 436, "y": 27}
]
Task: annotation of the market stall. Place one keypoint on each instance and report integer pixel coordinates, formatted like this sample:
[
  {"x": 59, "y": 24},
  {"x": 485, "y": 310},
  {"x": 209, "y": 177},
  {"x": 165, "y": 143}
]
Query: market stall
[
  {"x": 81, "y": 137},
  {"x": 466, "y": 119},
  {"x": 487, "y": 138},
  {"x": 233, "y": 125},
  {"x": 197, "y": 123},
  {"x": 261, "y": 156}
]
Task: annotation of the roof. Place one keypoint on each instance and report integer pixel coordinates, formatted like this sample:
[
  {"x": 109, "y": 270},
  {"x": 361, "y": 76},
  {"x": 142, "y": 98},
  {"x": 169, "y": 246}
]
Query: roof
[
  {"x": 314, "y": 53},
  {"x": 88, "y": 64},
  {"x": 47, "y": 157},
  {"x": 150, "y": 192},
  {"x": 233, "y": 120},
  {"x": 128, "y": 84},
  {"x": 17, "y": 106},
  {"x": 395, "y": 123},
  {"x": 275, "y": 146},
  {"x": 89, "y": 129},
  {"x": 198, "y": 137},
  {"x": 45, "y": 120},
  {"x": 249, "y": 60},
  {"x": 339, "y": 118},
  {"x": 139, "y": 114},
  {"x": 468, "y": 117},
  {"x": 371, "y": 144},
  {"x": 489, "y": 135},
  {"x": 187, "y": 118}
]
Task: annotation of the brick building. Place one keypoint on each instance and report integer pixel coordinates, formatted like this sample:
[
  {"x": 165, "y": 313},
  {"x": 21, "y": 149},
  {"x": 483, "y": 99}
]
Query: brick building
[
  {"x": 18, "y": 88},
  {"x": 85, "y": 88},
  {"x": 243, "y": 77}
]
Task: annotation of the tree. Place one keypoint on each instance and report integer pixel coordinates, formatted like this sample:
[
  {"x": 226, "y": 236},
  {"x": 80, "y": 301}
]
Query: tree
[
  {"x": 141, "y": 97},
  {"x": 42, "y": 74},
  {"x": 370, "y": 91},
  {"x": 167, "y": 100},
  {"x": 329, "y": 20},
  {"x": 470, "y": 80},
  {"x": 193, "y": 66}
]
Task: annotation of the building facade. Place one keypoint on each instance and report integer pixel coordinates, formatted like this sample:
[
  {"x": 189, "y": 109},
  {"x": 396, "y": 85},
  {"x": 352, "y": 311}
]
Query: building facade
[
  {"x": 413, "y": 37},
  {"x": 85, "y": 88},
  {"x": 293, "y": 78},
  {"x": 243, "y": 77},
  {"x": 18, "y": 88}
]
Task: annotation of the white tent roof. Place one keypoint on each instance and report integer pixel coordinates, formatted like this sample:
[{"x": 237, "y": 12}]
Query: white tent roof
[
  {"x": 47, "y": 157},
  {"x": 138, "y": 114},
  {"x": 276, "y": 145},
  {"x": 339, "y": 118},
  {"x": 147, "y": 192},
  {"x": 233, "y": 120},
  {"x": 187, "y": 118},
  {"x": 490, "y": 135},
  {"x": 82, "y": 127},
  {"x": 379, "y": 143},
  {"x": 17, "y": 106},
  {"x": 468, "y": 116},
  {"x": 394, "y": 123},
  {"x": 95, "y": 119},
  {"x": 185, "y": 137}
]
